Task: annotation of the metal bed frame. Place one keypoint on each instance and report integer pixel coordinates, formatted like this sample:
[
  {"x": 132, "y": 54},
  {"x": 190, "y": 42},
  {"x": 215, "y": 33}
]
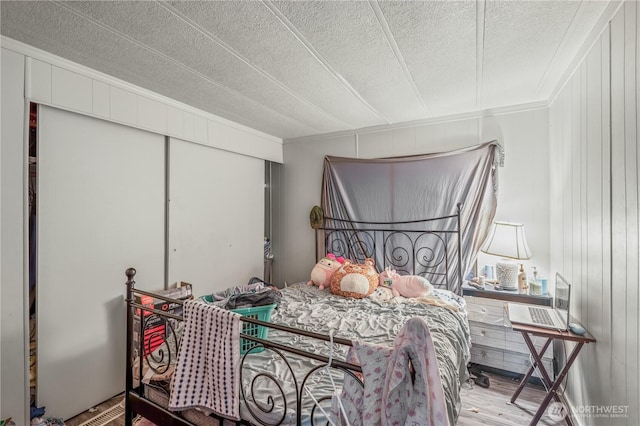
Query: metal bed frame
[
  {"x": 135, "y": 401},
  {"x": 431, "y": 242},
  {"x": 355, "y": 240}
]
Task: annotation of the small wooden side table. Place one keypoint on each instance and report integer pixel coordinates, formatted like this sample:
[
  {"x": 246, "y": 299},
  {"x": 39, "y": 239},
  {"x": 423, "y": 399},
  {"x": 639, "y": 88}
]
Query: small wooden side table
[{"x": 552, "y": 386}]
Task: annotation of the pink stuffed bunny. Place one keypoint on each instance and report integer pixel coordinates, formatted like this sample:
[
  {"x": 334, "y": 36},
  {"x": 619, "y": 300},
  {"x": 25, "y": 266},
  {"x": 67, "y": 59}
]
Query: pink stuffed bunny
[
  {"x": 405, "y": 285},
  {"x": 324, "y": 269}
]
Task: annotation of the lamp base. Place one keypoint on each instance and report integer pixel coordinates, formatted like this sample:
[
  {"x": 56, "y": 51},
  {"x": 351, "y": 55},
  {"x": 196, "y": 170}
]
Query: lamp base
[{"x": 507, "y": 274}]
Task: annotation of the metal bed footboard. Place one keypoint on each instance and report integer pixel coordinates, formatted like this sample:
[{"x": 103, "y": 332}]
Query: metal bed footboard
[{"x": 136, "y": 401}]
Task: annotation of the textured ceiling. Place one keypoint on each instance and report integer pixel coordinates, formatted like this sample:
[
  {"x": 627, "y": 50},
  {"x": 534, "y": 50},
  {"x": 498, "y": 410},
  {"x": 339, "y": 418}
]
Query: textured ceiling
[{"x": 292, "y": 68}]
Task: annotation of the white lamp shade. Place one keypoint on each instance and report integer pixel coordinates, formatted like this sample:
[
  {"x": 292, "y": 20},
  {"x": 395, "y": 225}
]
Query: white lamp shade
[{"x": 506, "y": 239}]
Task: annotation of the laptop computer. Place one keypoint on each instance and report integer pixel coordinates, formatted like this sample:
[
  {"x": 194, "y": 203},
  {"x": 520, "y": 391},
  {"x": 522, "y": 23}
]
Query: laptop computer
[{"x": 556, "y": 318}]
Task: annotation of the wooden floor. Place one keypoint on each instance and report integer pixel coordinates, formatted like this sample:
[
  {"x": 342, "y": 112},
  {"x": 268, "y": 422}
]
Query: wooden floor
[
  {"x": 480, "y": 406},
  {"x": 491, "y": 406}
]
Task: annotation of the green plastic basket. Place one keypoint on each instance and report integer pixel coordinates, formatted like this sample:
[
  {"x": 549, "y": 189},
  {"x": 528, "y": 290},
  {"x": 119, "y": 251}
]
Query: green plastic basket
[{"x": 261, "y": 313}]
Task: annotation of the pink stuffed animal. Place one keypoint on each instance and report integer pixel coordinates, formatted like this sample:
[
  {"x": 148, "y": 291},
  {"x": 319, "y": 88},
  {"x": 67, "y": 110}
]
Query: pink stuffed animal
[
  {"x": 405, "y": 285},
  {"x": 324, "y": 269}
]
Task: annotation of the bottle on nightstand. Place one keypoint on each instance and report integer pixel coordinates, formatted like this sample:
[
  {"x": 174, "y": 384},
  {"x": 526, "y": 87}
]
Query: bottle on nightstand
[
  {"x": 535, "y": 286},
  {"x": 522, "y": 281}
]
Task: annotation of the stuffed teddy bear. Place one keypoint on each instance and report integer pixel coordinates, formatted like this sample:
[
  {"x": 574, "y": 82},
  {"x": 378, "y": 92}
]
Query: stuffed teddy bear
[
  {"x": 324, "y": 269},
  {"x": 355, "y": 280},
  {"x": 405, "y": 285}
]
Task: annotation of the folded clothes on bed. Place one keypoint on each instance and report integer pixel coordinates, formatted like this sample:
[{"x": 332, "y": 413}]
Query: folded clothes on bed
[
  {"x": 244, "y": 296},
  {"x": 239, "y": 289},
  {"x": 260, "y": 298}
]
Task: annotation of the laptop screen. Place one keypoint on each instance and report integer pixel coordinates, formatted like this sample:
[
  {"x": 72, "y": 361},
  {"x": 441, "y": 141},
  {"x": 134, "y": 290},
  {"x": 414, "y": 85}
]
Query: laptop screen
[{"x": 562, "y": 296}]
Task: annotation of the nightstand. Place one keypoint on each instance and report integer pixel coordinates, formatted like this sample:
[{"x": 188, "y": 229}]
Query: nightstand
[{"x": 493, "y": 343}]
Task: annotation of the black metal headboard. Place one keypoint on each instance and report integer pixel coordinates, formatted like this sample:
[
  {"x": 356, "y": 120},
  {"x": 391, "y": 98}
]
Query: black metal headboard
[{"x": 428, "y": 247}]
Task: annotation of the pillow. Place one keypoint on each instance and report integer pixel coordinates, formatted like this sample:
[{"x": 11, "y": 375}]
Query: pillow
[{"x": 354, "y": 279}]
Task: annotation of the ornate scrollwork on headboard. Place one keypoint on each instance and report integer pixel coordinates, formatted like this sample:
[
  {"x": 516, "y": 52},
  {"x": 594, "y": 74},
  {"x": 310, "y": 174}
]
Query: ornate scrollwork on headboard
[{"x": 429, "y": 247}]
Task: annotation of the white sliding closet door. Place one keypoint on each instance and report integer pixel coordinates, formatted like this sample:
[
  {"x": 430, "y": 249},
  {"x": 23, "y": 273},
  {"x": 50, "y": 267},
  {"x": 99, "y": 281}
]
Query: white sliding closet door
[
  {"x": 101, "y": 195},
  {"x": 216, "y": 217}
]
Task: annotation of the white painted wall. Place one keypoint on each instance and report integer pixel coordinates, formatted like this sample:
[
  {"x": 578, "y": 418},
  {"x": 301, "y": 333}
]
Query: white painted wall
[
  {"x": 301, "y": 179},
  {"x": 216, "y": 217},
  {"x": 14, "y": 401},
  {"x": 594, "y": 214},
  {"x": 101, "y": 210},
  {"x": 524, "y": 181}
]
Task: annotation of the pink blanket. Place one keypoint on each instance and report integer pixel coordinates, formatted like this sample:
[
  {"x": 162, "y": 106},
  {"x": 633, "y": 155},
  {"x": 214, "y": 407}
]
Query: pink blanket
[{"x": 390, "y": 396}]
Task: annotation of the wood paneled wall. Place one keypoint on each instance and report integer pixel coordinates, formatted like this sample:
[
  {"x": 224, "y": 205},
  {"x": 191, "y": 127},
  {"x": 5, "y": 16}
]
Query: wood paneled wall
[{"x": 594, "y": 215}]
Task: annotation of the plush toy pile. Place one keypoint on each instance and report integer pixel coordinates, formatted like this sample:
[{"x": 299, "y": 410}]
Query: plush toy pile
[{"x": 356, "y": 280}]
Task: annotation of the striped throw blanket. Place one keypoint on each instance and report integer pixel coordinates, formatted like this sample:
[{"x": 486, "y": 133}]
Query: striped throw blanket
[{"x": 207, "y": 373}]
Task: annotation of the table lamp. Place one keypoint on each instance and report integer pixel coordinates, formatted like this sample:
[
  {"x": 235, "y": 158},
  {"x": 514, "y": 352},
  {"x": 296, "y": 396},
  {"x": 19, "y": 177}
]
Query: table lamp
[{"x": 507, "y": 240}]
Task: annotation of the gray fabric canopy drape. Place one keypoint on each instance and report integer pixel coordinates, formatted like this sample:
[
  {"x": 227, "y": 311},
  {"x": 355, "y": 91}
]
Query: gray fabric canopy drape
[{"x": 419, "y": 187}]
